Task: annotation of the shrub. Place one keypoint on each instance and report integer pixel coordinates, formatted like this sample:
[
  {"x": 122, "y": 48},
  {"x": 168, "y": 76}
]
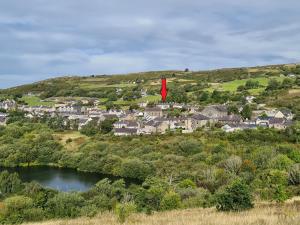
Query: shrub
[
  {"x": 294, "y": 174},
  {"x": 187, "y": 183},
  {"x": 235, "y": 197},
  {"x": 281, "y": 162},
  {"x": 171, "y": 200},
  {"x": 200, "y": 198},
  {"x": 16, "y": 209},
  {"x": 124, "y": 210},
  {"x": 65, "y": 205},
  {"x": 233, "y": 164}
]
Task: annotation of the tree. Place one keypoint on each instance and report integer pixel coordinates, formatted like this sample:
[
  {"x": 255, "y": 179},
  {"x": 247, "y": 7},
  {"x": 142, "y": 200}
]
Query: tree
[
  {"x": 106, "y": 126},
  {"x": 246, "y": 113},
  {"x": 235, "y": 197},
  {"x": 287, "y": 83},
  {"x": 9, "y": 183},
  {"x": 273, "y": 85}
]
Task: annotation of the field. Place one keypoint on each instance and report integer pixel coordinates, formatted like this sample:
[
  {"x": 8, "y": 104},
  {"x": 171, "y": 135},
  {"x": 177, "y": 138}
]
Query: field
[
  {"x": 75, "y": 136},
  {"x": 233, "y": 85},
  {"x": 36, "y": 101},
  {"x": 263, "y": 214}
]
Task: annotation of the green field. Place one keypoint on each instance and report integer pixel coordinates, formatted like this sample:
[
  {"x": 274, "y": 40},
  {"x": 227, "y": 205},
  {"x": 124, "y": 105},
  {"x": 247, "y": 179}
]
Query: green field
[
  {"x": 233, "y": 85},
  {"x": 36, "y": 101}
]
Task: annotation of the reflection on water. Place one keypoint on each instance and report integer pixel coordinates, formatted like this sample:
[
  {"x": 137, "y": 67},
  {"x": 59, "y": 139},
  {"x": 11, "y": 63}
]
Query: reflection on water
[{"x": 62, "y": 179}]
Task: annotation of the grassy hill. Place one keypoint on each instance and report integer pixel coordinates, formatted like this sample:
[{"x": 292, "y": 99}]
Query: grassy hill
[{"x": 192, "y": 83}]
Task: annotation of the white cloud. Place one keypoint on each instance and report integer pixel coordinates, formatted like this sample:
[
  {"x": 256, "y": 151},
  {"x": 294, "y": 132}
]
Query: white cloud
[{"x": 48, "y": 38}]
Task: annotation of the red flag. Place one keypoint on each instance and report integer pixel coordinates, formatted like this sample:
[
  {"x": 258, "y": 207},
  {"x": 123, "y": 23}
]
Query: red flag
[{"x": 164, "y": 90}]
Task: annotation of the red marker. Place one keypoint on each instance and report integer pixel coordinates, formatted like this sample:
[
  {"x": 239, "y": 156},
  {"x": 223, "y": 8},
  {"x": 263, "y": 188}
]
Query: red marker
[{"x": 164, "y": 90}]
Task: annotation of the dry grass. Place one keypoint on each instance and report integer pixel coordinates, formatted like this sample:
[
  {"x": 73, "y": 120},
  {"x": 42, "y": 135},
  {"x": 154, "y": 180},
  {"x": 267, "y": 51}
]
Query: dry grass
[
  {"x": 77, "y": 139},
  {"x": 262, "y": 214}
]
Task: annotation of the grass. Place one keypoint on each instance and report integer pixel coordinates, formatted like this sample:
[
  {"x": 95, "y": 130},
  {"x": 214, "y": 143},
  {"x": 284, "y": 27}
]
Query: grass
[
  {"x": 233, "y": 85},
  {"x": 262, "y": 214},
  {"x": 76, "y": 137},
  {"x": 36, "y": 101},
  {"x": 95, "y": 85}
]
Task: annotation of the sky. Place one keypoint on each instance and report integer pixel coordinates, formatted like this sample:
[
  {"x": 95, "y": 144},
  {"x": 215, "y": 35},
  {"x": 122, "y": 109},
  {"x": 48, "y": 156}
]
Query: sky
[{"x": 40, "y": 39}]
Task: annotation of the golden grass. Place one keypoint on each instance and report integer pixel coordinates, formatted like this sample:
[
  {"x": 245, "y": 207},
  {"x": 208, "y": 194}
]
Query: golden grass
[
  {"x": 77, "y": 139},
  {"x": 262, "y": 214}
]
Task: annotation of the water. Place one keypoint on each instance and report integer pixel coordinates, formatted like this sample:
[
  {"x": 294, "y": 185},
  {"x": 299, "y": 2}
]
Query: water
[{"x": 62, "y": 179}]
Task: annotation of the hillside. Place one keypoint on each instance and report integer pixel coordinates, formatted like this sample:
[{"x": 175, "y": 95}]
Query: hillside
[{"x": 129, "y": 89}]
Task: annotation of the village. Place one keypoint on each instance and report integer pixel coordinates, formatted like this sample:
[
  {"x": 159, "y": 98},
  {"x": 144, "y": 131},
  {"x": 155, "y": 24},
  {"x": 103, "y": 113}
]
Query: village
[{"x": 155, "y": 118}]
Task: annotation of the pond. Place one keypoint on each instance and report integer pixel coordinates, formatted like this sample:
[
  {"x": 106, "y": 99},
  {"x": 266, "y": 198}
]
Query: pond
[{"x": 62, "y": 179}]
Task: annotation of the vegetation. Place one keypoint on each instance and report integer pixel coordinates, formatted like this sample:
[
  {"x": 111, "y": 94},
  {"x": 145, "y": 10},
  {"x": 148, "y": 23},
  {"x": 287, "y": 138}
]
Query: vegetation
[{"x": 227, "y": 171}]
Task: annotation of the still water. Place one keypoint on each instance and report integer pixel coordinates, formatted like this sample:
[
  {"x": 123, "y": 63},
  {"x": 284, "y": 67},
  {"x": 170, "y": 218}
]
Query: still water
[{"x": 62, "y": 179}]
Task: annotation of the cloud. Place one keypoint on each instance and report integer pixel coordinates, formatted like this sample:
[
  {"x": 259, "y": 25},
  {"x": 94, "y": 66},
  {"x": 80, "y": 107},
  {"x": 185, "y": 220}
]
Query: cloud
[{"x": 43, "y": 38}]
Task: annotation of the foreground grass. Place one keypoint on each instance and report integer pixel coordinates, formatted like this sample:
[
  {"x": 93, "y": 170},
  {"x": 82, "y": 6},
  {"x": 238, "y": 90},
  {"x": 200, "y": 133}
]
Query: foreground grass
[{"x": 262, "y": 214}]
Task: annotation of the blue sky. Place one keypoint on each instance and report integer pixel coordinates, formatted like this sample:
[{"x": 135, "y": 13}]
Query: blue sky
[{"x": 41, "y": 38}]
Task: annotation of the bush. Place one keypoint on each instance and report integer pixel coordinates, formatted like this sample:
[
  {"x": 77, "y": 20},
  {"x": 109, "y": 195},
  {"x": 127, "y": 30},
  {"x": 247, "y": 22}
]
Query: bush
[
  {"x": 171, "y": 200},
  {"x": 235, "y": 197},
  {"x": 294, "y": 174},
  {"x": 124, "y": 210},
  {"x": 65, "y": 205},
  {"x": 200, "y": 198},
  {"x": 16, "y": 209}
]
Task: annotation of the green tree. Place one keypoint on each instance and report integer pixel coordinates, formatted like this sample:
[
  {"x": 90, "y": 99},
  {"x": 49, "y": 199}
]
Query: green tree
[
  {"x": 235, "y": 197},
  {"x": 246, "y": 113},
  {"x": 9, "y": 183}
]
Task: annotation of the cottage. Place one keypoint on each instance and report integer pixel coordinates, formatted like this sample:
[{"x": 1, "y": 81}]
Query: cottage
[
  {"x": 230, "y": 119},
  {"x": 8, "y": 104},
  {"x": 125, "y": 131},
  {"x": 154, "y": 112},
  {"x": 215, "y": 111},
  {"x": 196, "y": 121},
  {"x": 3, "y": 118},
  {"x": 126, "y": 124}
]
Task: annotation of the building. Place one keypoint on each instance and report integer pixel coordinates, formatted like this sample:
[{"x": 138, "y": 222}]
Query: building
[
  {"x": 3, "y": 119},
  {"x": 197, "y": 121},
  {"x": 215, "y": 111},
  {"x": 126, "y": 124},
  {"x": 154, "y": 112},
  {"x": 230, "y": 119},
  {"x": 125, "y": 131}
]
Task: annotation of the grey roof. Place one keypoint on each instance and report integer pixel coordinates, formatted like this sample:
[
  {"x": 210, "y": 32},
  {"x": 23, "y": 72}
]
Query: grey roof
[
  {"x": 274, "y": 120},
  {"x": 153, "y": 109},
  {"x": 231, "y": 118},
  {"x": 200, "y": 117},
  {"x": 126, "y": 130}
]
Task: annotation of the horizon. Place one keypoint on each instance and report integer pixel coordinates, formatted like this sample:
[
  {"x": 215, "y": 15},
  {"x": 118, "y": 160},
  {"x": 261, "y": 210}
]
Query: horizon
[{"x": 42, "y": 39}]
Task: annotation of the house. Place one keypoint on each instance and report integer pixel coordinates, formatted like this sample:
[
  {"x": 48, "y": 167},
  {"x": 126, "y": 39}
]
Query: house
[
  {"x": 154, "y": 112},
  {"x": 278, "y": 123},
  {"x": 3, "y": 119},
  {"x": 250, "y": 99},
  {"x": 196, "y": 121},
  {"x": 72, "y": 109},
  {"x": 163, "y": 106},
  {"x": 126, "y": 124},
  {"x": 125, "y": 131},
  {"x": 230, "y": 119},
  {"x": 274, "y": 113},
  {"x": 108, "y": 117},
  {"x": 8, "y": 104},
  {"x": 214, "y": 111}
]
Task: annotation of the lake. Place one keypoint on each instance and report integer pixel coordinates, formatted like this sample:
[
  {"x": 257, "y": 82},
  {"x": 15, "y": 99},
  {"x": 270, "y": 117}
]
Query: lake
[{"x": 62, "y": 179}]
